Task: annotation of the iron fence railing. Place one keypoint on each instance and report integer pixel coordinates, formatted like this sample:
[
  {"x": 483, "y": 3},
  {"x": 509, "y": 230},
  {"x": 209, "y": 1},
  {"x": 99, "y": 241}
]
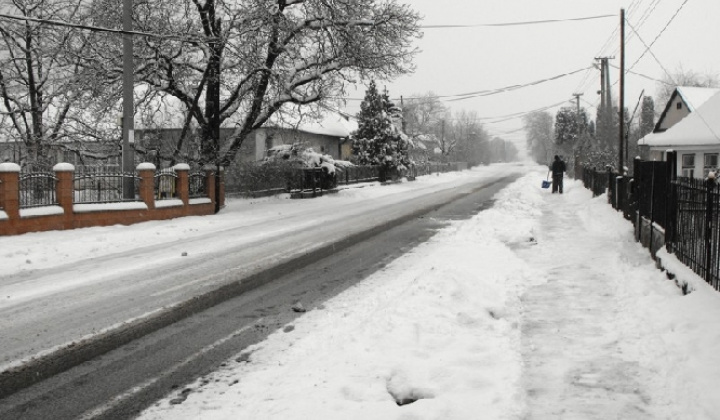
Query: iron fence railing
[
  {"x": 596, "y": 181},
  {"x": 100, "y": 185},
  {"x": 37, "y": 189},
  {"x": 356, "y": 174},
  {"x": 685, "y": 210},
  {"x": 165, "y": 182},
  {"x": 696, "y": 234},
  {"x": 197, "y": 182}
]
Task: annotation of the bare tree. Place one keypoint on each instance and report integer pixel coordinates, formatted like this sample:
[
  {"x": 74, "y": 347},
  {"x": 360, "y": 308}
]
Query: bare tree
[
  {"x": 681, "y": 77},
  {"x": 540, "y": 136},
  {"x": 237, "y": 63},
  {"x": 423, "y": 114},
  {"x": 41, "y": 93}
]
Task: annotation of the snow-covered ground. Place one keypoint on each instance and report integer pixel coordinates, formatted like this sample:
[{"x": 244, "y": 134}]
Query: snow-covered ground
[{"x": 543, "y": 307}]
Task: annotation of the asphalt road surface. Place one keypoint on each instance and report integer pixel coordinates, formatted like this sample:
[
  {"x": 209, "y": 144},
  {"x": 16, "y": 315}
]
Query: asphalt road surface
[{"x": 214, "y": 309}]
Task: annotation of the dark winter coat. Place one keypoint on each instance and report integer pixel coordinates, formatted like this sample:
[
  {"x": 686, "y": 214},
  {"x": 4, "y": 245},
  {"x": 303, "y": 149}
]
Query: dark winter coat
[{"x": 558, "y": 167}]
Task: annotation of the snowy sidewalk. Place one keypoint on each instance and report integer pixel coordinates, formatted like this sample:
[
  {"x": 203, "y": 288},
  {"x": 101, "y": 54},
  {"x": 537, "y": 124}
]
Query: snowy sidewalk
[
  {"x": 543, "y": 307},
  {"x": 582, "y": 342}
]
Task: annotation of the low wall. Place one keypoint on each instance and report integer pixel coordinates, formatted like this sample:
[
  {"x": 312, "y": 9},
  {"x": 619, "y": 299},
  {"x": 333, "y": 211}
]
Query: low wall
[{"x": 68, "y": 215}]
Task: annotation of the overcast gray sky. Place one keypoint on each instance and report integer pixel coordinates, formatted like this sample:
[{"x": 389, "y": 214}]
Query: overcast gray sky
[{"x": 460, "y": 60}]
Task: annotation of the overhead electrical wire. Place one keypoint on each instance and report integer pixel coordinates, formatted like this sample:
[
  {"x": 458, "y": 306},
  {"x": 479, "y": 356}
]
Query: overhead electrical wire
[
  {"x": 659, "y": 34},
  {"x": 643, "y": 76},
  {"x": 524, "y": 23},
  {"x": 513, "y": 87},
  {"x": 652, "y": 54},
  {"x": 486, "y": 92},
  {"x": 91, "y": 28}
]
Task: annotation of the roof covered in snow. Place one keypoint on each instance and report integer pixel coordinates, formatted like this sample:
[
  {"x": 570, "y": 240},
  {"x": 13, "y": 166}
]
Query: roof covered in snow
[
  {"x": 330, "y": 124},
  {"x": 700, "y": 128},
  {"x": 695, "y": 97}
]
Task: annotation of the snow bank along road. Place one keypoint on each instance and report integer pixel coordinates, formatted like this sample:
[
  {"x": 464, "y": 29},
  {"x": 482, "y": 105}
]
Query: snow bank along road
[{"x": 123, "y": 282}]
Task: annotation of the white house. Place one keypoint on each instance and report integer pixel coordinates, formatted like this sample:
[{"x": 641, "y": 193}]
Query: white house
[
  {"x": 695, "y": 137},
  {"x": 683, "y": 101}
]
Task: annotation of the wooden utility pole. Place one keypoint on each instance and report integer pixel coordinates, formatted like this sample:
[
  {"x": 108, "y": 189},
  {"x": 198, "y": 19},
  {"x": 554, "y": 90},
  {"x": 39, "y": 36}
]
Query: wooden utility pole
[
  {"x": 128, "y": 123},
  {"x": 577, "y": 98},
  {"x": 621, "y": 160}
]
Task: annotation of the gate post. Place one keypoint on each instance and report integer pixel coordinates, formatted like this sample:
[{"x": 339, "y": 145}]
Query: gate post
[
  {"x": 146, "y": 171},
  {"x": 710, "y": 185},
  {"x": 611, "y": 186},
  {"x": 9, "y": 195},
  {"x": 670, "y": 200},
  {"x": 65, "y": 189},
  {"x": 637, "y": 194}
]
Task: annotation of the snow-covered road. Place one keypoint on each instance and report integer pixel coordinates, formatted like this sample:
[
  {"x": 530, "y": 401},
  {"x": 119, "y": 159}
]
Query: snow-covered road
[
  {"x": 57, "y": 288},
  {"x": 543, "y": 307}
]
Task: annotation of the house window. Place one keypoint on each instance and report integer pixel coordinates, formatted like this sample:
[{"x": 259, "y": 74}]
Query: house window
[
  {"x": 711, "y": 163},
  {"x": 679, "y": 105},
  {"x": 688, "y": 165}
]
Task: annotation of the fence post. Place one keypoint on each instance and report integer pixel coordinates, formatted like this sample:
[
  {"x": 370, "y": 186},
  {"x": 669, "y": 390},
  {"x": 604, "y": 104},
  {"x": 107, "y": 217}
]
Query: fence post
[
  {"x": 10, "y": 190},
  {"x": 210, "y": 186},
  {"x": 183, "y": 185},
  {"x": 65, "y": 189},
  {"x": 611, "y": 185},
  {"x": 221, "y": 193},
  {"x": 146, "y": 172},
  {"x": 710, "y": 185},
  {"x": 670, "y": 200}
]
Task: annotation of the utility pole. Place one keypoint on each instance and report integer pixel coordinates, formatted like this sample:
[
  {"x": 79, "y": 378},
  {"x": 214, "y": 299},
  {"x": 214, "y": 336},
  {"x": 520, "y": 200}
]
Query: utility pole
[
  {"x": 442, "y": 137},
  {"x": 577, "y": 98},
  {"x": 578, "y": 131},
  {"x": 621, "y": 158},
  {"x": 128, "y": 123},
  {"x": 604, "y": 120}
]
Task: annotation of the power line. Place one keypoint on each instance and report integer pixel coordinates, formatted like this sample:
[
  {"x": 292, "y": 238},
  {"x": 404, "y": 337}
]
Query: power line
[
  {"x": 486, "y": 92},
  {"x": 643, "y": 76},
  {"x": 659, "y": 34},
  {"x": 14, "y": 18},
  {"x": 514, "y": 87},
  {"x": 651, "y": 53},
  {"x": 509, "y": 117},
  {"x": 531, "y": 22}
]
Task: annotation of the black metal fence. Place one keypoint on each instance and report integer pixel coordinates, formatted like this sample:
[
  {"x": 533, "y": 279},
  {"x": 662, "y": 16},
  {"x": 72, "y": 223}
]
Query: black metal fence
[
  {"x": 356, "y": 174},
  {"x": 37, "y": 189},
  {"x": 165, "y": 184},
  {"x": 685, "y": 211},
  {"x": 197, "y": 182},
  {"x": 102, "y": 185}
]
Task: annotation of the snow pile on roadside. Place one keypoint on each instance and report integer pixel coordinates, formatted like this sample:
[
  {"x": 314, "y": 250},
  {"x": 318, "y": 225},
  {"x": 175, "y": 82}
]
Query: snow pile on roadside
[{"x": 438, "y": 326}]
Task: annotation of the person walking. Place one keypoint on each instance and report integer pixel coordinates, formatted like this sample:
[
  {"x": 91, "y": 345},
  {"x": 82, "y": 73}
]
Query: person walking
[{"x": 558, "y": 170}]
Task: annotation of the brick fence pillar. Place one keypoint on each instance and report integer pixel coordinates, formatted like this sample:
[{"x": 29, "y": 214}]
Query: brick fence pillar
[
  {"x": 64, "y": 172},
  {"x": 146, "y": 172},
  {"x": 210, "y": 183},
  {"x": 183, "y": 184},
  {"x": 10, "y": 190},
  {"x": 221, "y": 194}
]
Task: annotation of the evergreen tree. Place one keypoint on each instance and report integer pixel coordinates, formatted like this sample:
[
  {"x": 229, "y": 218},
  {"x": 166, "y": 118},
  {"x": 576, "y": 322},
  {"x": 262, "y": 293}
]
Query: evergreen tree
[
  {"x": 569, "y": 127},
  {"x": 378, "y": 140},
  {"x": 647, "y": 116}
]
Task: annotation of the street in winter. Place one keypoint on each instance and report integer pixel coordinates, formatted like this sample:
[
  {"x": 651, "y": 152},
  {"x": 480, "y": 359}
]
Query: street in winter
[
  {"x": 543, "y": 307},
  {"x": 359, "y": 209}
]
